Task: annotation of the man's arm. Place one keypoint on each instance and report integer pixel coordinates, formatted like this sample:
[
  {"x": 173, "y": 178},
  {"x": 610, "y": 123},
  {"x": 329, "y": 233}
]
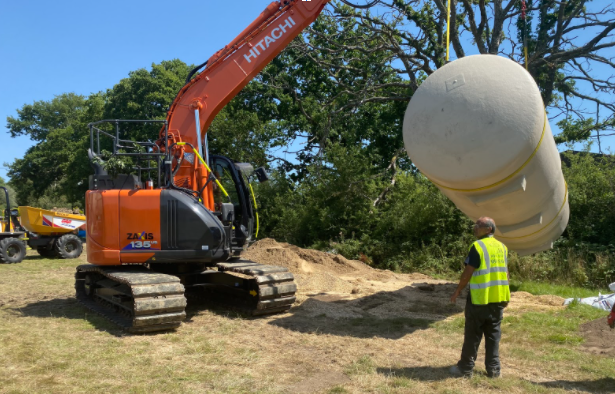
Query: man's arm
[{"x": 463, "y": 282}]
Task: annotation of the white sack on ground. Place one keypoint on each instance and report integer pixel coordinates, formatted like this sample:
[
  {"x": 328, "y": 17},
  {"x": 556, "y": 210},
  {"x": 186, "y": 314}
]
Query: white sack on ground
[{"x": 603, "y": 301}]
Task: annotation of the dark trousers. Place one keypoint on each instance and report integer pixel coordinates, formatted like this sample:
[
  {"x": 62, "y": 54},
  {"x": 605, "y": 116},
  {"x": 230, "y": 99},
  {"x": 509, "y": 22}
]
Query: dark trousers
[{"x": 482, "y": 320}]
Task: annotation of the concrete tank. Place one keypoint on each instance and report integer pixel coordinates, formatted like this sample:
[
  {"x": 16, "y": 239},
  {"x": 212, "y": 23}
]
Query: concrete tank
[{"x": 477, "y": 128}]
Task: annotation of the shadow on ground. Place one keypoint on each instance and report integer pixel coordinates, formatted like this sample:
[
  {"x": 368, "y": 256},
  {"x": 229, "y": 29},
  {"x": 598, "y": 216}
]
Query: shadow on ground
[
  {"x": 389, "y": 315},
  {"x": 37, "y": 257},
  {"x": 431, "y": 374},
  {"x": 70, "y": 308},
  {"x": 427, "y": 374},
  {"x": 67, "y": 308},
  {"x": 604, "y": 385}
]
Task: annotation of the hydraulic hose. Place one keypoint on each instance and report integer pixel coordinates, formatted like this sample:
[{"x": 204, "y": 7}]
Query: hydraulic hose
[
  {"x": 194, "y": 71},
  {"x": 369, "y": 5}
]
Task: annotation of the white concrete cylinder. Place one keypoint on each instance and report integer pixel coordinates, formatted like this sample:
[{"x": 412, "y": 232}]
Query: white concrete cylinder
[{"x": 477, "y": 128}]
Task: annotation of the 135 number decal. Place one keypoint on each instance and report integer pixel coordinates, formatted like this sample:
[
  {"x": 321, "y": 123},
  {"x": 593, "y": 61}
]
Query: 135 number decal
[{"x": 142, "y": 244}]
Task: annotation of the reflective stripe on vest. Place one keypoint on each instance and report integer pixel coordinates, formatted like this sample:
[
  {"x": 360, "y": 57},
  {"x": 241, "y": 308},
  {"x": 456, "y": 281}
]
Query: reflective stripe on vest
[{"x": 489, "y": 283}]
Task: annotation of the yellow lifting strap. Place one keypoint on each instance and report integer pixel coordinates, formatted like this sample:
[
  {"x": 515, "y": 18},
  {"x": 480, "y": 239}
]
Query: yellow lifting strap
[
  {"x": 255, "y": 209},
  {"x": 206, "y": 166},
  {"x": 448, "y": 28}
]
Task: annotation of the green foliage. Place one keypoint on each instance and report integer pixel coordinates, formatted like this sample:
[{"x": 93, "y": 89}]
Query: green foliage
[
  {"x": 416, "y": 228},
  {"x": 39, "y": 119},
  {"x": 591, "y": 191},
  {"x": 53, "y": 198},
  {"x": 145, "y": 95},
  {"x": 579, "y": 130},
  {"x": 114, "y": 164},
  {"x": 57, "y": 161},
  {"x": 321, "y": 96},
  {"x": 332, "y": 202}
]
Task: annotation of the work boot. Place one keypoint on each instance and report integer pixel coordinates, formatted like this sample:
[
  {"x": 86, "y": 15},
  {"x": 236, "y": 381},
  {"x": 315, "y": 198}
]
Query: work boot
[{"x": 455, "y": 371}]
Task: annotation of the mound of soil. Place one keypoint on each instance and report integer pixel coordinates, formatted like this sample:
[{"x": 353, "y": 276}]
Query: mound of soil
[
  {"x": 599, "y": 337},
  {"x": 334, "y": 287},
  {"x": 298, "y": 260},
  {"x": 523, "y": 298}
]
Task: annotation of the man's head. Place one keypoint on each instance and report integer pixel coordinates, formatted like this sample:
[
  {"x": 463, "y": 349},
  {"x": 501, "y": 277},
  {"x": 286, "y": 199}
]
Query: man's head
[{"x": 484, "y": 226}]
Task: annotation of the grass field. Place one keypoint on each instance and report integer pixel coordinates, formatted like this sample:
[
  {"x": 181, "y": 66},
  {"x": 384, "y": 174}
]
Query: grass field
[{"x": 51, "y": 344}]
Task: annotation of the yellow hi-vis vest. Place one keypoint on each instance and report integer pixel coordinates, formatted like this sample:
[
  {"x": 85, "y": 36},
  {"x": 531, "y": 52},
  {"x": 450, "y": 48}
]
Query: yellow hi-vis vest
[{"x": 489, "y": 283}]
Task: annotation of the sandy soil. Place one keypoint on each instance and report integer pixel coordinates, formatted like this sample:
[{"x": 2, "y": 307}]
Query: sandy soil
[
  {"x": 333, "y": 286},
  {"x": 599, "y": 337}
]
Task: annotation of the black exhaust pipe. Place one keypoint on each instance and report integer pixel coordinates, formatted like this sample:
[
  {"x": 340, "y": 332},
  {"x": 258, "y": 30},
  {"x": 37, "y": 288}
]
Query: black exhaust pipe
[{"x": 7, "y": 211}]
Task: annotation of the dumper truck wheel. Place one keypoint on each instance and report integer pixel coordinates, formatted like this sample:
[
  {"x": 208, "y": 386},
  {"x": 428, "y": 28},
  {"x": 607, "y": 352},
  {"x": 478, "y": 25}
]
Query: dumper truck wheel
[
  {"x": 46, "y": 251},
  {"x": 12, "y": 250},
  {"x": 69, "y": 246}
]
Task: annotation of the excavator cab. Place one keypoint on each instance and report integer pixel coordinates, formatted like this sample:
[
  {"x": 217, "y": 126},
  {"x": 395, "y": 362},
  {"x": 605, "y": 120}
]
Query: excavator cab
[
  {"x": 235, "y": 178},
  {"x": 150, "y": 198}
]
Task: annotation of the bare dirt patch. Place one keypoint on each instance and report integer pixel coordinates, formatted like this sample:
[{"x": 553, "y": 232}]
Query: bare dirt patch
[
  {"x": 318, "y": 382},
  {"x": 599, "y": 337},
  {"x": 349, "y": 298}
]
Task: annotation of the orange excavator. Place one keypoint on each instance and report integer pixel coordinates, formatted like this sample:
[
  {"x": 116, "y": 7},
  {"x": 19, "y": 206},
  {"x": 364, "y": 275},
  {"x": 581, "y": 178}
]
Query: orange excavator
[{"x": 149, "y": 241}]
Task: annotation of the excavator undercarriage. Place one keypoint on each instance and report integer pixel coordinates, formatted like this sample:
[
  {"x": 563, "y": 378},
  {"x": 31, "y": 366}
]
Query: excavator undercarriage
[{"x": 142, "y": 300}]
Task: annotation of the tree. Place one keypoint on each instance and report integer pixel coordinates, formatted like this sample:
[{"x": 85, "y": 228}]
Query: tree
[
  {"x": 55, "y": 165},
  {"x": 237, "y": 132},
  {"x": 327, "y": 95},
  {"x": 410, "y": 37},
  {"x": 343, "y": 87}
]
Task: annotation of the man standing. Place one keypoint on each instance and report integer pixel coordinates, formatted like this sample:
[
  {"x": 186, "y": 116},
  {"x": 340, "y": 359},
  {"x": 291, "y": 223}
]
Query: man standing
[{"x": 486, "y": 269}]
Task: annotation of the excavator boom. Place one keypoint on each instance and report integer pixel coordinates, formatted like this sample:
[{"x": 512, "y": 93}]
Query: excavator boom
[{"x": 227, "y": 72}]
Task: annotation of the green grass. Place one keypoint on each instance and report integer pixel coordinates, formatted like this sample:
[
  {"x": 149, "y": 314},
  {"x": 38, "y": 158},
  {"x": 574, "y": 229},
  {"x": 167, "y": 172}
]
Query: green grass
[
  {"x": 337, "y": 390},
  {"x": 558, "y": 327},
  {"x": 541, "y": 288},
  {"x": 455, "y": 325},
  {"x": 363, "y": 366}
]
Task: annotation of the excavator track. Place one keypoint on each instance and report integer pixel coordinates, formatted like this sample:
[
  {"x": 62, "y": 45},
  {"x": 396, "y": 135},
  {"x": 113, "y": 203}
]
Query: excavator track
[
  {"x": 140, "y": 300},
  {"x": 251, "y": 288},
  {"x": 135, "y": 298},
  {"x": 272, "y": 288}
]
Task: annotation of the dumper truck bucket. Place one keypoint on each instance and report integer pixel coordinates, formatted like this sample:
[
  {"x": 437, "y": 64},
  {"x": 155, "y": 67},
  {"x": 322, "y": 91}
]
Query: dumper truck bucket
[{"x": 44, "y": 222}]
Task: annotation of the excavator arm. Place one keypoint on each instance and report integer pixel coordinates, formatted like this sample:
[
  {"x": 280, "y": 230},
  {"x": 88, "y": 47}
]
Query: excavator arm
[{"x": 227, "y": 72}]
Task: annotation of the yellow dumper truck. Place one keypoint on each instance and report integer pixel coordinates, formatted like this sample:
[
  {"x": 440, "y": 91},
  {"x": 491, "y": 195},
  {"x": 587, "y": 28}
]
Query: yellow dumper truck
[{"x": 52, "y": 234}]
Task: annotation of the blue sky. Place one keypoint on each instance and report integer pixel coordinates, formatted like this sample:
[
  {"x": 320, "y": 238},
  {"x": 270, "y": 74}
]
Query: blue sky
[{"x": 52, "y": 47}]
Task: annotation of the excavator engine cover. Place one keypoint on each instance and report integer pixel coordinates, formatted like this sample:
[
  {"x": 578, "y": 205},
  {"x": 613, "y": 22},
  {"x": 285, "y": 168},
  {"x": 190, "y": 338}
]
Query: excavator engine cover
[{"x": 154, "y": 226}]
